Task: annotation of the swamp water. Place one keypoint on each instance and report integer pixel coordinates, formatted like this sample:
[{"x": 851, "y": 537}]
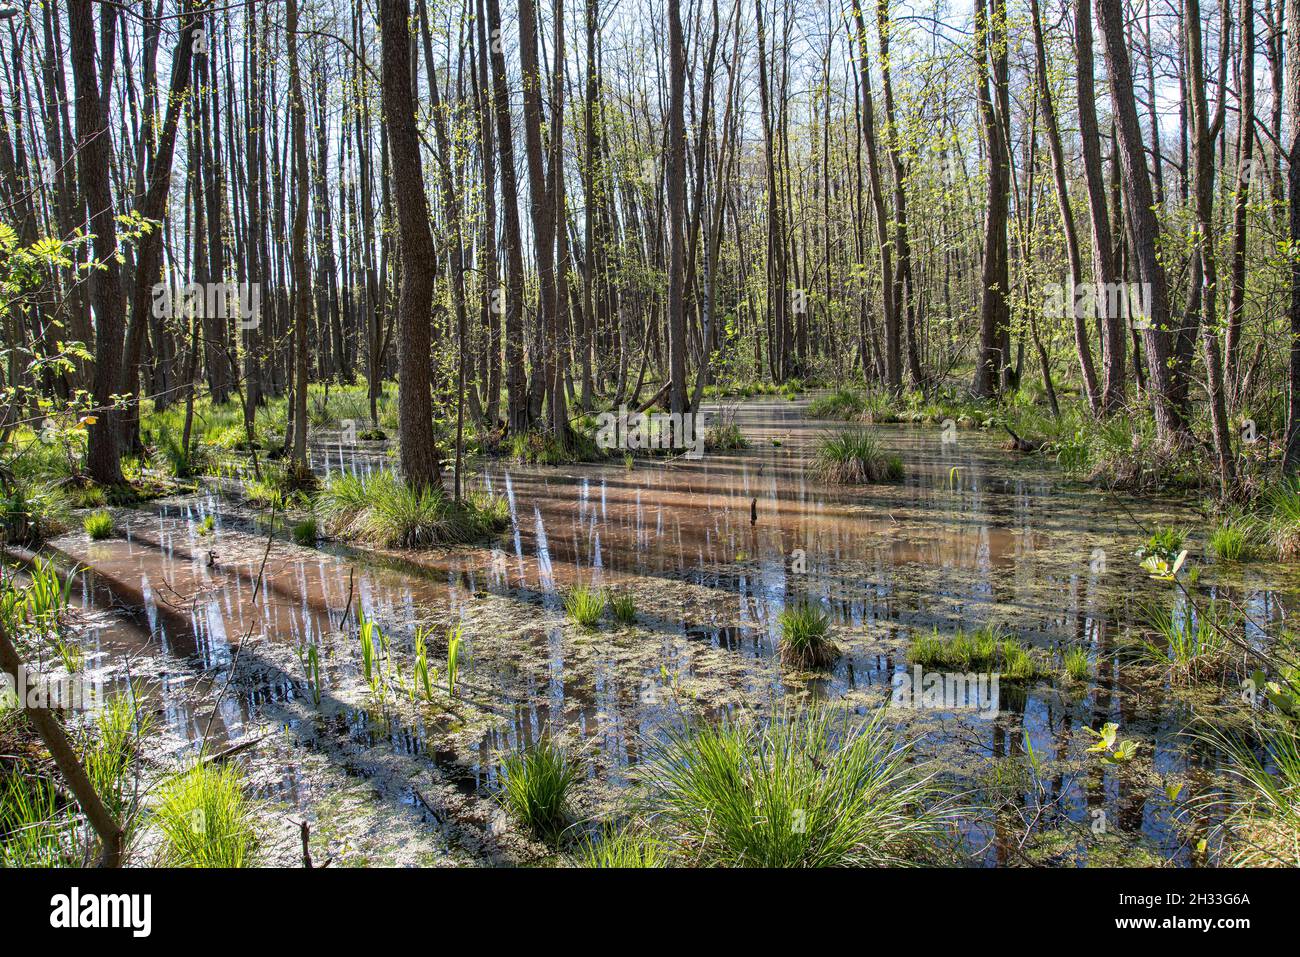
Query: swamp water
[{"x": 213, "y": 629}]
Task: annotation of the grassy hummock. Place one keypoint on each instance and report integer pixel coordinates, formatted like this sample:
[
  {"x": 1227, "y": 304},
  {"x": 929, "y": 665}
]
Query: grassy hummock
[
  {"x": 381, "y": 509},
  {"x": 854, "y": 457},
  {"x": 98, "y": 525},
  {"x": 799, "y": 790},
  {"x": 535, "y": 788},
  {"x": 805, "y": 640}
]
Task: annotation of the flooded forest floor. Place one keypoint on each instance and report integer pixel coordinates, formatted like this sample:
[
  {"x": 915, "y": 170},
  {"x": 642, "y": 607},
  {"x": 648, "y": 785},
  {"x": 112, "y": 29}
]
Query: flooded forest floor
[{"x": 211, "y": 622}]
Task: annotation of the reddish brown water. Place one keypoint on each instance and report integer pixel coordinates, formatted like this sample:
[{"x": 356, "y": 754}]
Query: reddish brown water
[{"x": 973, "y": 534}]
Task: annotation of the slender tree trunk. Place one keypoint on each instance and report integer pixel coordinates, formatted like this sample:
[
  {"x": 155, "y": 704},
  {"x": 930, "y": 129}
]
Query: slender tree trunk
[
  {"x": 415, "y": 244},
  {"x": 94, "y": 162},
  {"x": 1105, "y": 275},
  {"x": 1291, "y": 459},
  {"x": 517, "y": 406},
  {"x": 298, "y": 253},
  {"x": 677, "y": 211},
  {"x": 1203, "y": 187},
  {"x": 1144, "y": 229},
  {"x": 889, "y": 307},
  {"x": 1245, "y": 168},
  {"x": 991, "y": 60}
]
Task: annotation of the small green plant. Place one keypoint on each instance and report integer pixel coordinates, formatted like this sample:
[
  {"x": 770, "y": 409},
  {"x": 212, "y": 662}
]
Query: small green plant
[
  {"x": 842, "y": 404},
  {"x": 1165, "y": 543},
  {"x": 454, "y": 640},
  {"x": 1076, "y": 664},
  {"x": 988, "y": 648},
  {"x": 69, "y": 653},
  {"x": 372, "y": 642},
  {"x": 1283, "y": 694},
  {"x": 1188, "y": 640},
  {"x": 98, "y": 525},
  {"x": 585, "y": 604},
  {"x": 423, "y": 680},
  {"x": 1229, "y": 543},
  {"x": 726, "y": 437},
  {"x": 206, "y": 526},
  {"x": 304, "y": 533},
  {"x": 535, "y": 788},
  {"x": 805, "y": 641},
  {"x": 1106, "y": 747},
  {"x": 623, "y": 605},
  {"x": 1017, "y": 664},
  {"x": 629, "y": 461},
  {"x": 383, "y": 510},
  {"x": 38, "y": 833},
  {"x": 110, "y": 756},
  {"x": 206, "y": 820},
  {"x": 310, "y": 660},
  {"x": 38, "y": 608},
  {"x": 854, "y": 457},
  {"x": 624, "y": 848},
  {"x": 1280, "y": 519},
  {"x": 1265, "y": 815}
]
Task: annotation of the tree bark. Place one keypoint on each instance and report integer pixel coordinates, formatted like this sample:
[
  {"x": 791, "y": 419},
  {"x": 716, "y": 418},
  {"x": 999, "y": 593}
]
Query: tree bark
[
  {"x": 415, "y": 244},
  {"x": 94, "y": 162}
]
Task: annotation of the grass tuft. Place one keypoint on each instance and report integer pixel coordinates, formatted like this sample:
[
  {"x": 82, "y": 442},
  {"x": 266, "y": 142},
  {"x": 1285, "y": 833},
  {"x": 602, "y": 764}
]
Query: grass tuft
[
  {"x": 854, "y": 457},
  {"x": 988, "y": 648},
  {"x": 623, "y": 849},
  {"x": 1229, "y": 542},
  {"x": 805, "y": 641},
  {"x": 381, "y": 509},
  {"x": 623, "y": 605},
  {"x": 98, "y": 525},
  {"x": 1281, "y": 519},
  {"x": 535, "y": 788},
  {"x": 1075, "y": 664},
  {"x": 304, "y": 533},
  {"x": 726, "y": 437},
  {"x": 585, "y": 604},
  {"x": 843, "y": 404},
  {"x": 206, "y": 820},
  {"x": 1189, "y": 641},
  {"x": 797, "y": 791}
]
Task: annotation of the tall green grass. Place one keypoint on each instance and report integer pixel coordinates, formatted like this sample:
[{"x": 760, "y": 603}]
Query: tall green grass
[
  {"x": 35, "y": 828},
  {"x": 623, "y": 606},
  {"x": 98, "y": 525},
  {"x": 585, "y": 604},
  {"x": 1264, "y": 816},
  {"x": 535, "y": 786},
  {"x": 1188, "y": 641},
  {"x": 988, "y": 648},
  {"x": 802, "y": 790},
  {"x": 854, "y": 457},
  {"x": 805, "y": 637},
  {"x": 1280, "y": 518},
  {"x": 1075, "y": 664},
  {"x": 840, "y": 404},
  {"x": 626, "y": 848},
  {"x": 205, "y": 819},
  {"x": 1230, "y": 542},
  {"x": 382, "y": 509}
]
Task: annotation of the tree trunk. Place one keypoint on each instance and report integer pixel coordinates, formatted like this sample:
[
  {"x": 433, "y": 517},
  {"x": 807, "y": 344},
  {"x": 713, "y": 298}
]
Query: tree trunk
[
  {"x": 415, "y": 245},
  {"x": 94, "y": 162},
  {"x": 1143, "y": 228},
  {"x": 298, "y": 254}
]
